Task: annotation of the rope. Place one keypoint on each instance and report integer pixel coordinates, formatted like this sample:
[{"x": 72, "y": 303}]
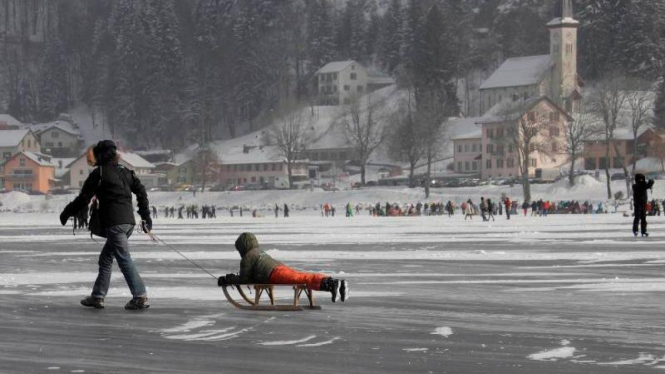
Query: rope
[{"x": 155, "y": 239}]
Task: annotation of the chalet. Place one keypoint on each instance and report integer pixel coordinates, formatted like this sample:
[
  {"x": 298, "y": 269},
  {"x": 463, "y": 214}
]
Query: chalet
[
  {"x": 79, "y": 169},
  {"x": 339, "y": 81},
  {"x": 14, "y": 141},
  {"x": 59, "y": 138},
  {"x": 29, "y": 172},
  {"x": 258, "y": 165}
]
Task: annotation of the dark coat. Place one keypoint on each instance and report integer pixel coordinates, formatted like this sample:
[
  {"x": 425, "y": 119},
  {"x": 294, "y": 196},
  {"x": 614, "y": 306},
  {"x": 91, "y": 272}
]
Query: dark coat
[
  {"x": 114, "y": 194},
  {"x": 255, "y": 265},
  {"x": 640, "y": 188}
]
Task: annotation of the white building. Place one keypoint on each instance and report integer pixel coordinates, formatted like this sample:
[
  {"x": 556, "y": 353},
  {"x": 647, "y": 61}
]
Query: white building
[
  {"x": 339, "y": 81},
  {"x": 79, "y": 169}
]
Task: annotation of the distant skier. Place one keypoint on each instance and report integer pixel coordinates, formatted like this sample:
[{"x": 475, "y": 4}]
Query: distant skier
[
  {"x": 640, "y": 199},
  {"x": 276, "y": 211},
  {"x": 257, "y": 266},
  {"x": 286, "y": 211}
]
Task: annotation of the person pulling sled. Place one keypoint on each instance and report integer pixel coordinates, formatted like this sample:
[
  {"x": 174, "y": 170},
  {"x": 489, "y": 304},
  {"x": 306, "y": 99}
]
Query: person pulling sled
[{"x": 640, "y": 200}]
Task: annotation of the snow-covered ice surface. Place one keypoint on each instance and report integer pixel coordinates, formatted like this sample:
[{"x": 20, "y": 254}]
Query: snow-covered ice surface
[{"x": 568, "y": 293}]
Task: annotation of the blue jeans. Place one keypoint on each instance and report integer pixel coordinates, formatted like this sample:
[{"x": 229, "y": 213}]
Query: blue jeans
[{"x": 117, "y": 246}]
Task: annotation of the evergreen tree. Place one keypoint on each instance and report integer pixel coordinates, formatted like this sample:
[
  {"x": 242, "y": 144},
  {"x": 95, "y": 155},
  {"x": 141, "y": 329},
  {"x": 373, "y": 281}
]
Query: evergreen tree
[
  {"x": 640, "y": 43},
  {"x": 391, "y": 36},
  {"x": 53, "y": 87},
  {"x": 320, "y": 40}
]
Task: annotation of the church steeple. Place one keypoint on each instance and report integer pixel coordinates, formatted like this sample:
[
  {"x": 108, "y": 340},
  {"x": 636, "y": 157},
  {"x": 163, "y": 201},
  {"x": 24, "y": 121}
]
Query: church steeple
[
  {"x": 567, "y": 9},
  {"x": 563, "y": 52}
]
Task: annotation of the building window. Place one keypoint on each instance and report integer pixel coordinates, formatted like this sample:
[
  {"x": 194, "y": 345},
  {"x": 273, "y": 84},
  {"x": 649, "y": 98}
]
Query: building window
[
  {"x": 490, "y": 133},
  {"x": 555, "y": 147},
  {"x": 459, "y": 148},
  {"x": 510, "y": 148},
  {"x": 256, "y": 167},
  {"x": 475, "y": 148},
  {"x": 347, "y": 101},
  {"x": 554, "y": 131},
  {"x": 555, "y": 116},
  {"x": 361, "y": 88},
  {"x": 474, "y": 165},
  {"x": 499, "y": 163},
  {"x": 488, "y": 164},
  {"x": 510, "y": 162},
  {"x": 253, "y": 179},
  {"x": 334, "y": 76},
  {"x": 81, "y": 172},
  {"x": 459, "y": 165},
  {"x": 265, "y": 167},
  {"x": 499, "y": 132},
  {"x": 590, "y": 164},
  {"x": 6, "y": 155},
  {"x": 280, "y": 167},
  {"x": 466, "y": 148},
  {"x": 569, "y": 49},
  {"x": 353, "y": 76},
  {"x": 347, "y": 87},
  {"x": 533, "y": 162},
  {"x": 21, "y": 161},
  {"x": 490, "y": 148},
  {"x": 54, "y": 134},
  {"x": 466, "y": 165}
]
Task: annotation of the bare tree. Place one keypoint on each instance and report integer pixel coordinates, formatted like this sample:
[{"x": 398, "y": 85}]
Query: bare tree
[
  {"x": 362, "y": 126},
  {"x": 606, "y": 101},
  {"x": 432, "y": 122},
  {"x": 526, "y": 127},
  {"x": 576, "y": 132},
  {"x": 405, "y": 139},
  {"x": 640, "y": 100},
  {"x": 290, "y": 134},
  {"x": 207, "y": 166}
]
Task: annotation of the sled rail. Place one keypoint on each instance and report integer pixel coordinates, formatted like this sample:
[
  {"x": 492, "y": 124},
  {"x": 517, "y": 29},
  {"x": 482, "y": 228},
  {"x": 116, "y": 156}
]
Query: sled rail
[{"x": 268, "y": 289}]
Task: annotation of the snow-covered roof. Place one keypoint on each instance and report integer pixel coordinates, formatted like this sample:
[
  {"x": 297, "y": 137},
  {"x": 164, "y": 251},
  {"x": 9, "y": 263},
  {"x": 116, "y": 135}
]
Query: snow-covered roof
[
  {"x": 62, "y": 125},
  {"x": 519, "y": 71},
  {"x": 40, "y": 159},
  {"x": 567, "y": 21},
  {"x": 464, "y": 128},
  {"x": 649, "y": 164},
  {"x": 9, "y": 120},
  {"x": 509, "y": 109},
  {"x": 61, "y": 171},
  {"x": 236, "y": 155},
  {"x": 621, "y": 133},
  {"x": 135, "y": 160},
  {"x": 335, "y": 66},
  {"x": 12, "y": 138}
]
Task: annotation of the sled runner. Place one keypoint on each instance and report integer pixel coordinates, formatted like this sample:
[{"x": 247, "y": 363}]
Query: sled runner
[{"x": 268, "y": 289}]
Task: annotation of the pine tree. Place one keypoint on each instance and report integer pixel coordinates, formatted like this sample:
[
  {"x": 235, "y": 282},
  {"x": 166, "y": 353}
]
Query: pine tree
[
  {"x": 640, "y": 41},
  {"x": 391, "y": 36},
  {"x": 320, "y": 41},
  {"x": 53, "y": 88}
]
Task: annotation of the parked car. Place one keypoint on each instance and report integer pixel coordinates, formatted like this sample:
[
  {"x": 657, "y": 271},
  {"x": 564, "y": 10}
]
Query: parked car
[
  {"x": 618, "y": 177},
  {"x": 218, "y": 188},
  {"x": 238, "y": 187}
]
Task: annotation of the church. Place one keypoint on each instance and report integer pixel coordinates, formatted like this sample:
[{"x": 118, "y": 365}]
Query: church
[{"x": 547, "y": 86}]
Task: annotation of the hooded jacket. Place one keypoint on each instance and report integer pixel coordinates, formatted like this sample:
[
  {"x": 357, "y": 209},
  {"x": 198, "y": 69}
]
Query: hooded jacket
[{"x": 255, "y": 265}]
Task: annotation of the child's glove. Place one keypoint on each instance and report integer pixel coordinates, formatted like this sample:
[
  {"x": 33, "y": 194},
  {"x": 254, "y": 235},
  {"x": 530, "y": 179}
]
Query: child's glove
[
  {"x": 232, "y": 279},
  {"x": 221, "y": 281}
]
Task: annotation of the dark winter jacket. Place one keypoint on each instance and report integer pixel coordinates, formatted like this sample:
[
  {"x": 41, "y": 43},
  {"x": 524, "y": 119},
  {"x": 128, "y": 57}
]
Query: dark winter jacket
[
  {"x": 256, "y": 265},
  {"x": 640, "y": 188},
  {"x": 114, "y": 194}
]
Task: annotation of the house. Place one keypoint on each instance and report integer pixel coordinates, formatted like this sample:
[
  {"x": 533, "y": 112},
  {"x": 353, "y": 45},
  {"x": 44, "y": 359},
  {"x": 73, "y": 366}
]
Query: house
[
  {"x": 258, "y": 165},
  {"x": 500, "y": 145},
  {"x": 14, "y": 141},
  {"x": 8, "y": 122},
  {"x": 59, "y": 138},
  {"x": 621, "y": 152},
  {"x": 339, "y": 81},
  {"x": 467, "y": 150},
  {"x": 29, "y": 172},
  {"x": 553, "y": 75},
  {"x": 79, "y": 169},
  {"x": 182, "y": 173}
]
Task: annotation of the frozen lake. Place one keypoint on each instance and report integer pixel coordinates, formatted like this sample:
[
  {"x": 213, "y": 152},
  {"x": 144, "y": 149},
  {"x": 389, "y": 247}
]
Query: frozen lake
[{"x": 562, "y": 294}]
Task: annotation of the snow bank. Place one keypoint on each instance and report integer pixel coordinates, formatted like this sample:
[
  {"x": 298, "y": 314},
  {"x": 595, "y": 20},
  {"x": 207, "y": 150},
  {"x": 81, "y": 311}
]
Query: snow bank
[{"x": 13, "y": 200}]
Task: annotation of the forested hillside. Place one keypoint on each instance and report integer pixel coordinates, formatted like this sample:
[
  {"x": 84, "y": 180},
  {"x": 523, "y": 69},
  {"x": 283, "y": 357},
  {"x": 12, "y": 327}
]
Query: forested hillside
[{"x": 171, "y": 72}]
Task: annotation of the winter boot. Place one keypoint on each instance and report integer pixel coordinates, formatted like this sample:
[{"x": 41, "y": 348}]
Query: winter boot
[
  {"x": 331, "y": 285},
  {"x": 137, "y": 303},
  {"x": 93, "y": 302},
  {"x": 645, "y": 234},
  {"x": 344, "y": 290}
]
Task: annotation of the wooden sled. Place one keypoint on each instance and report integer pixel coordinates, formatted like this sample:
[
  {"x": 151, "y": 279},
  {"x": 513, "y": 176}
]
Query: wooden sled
[{"x": 268, "y": 289}]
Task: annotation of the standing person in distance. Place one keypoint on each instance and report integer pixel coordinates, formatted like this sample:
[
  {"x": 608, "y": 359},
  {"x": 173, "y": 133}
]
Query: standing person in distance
[
  {"x": 640, "y": 199},
  {"x": 113, "y": 184}
]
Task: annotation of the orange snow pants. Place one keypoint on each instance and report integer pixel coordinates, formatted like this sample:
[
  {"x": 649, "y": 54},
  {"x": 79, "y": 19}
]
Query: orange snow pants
[{"x": 285, "y": 275}]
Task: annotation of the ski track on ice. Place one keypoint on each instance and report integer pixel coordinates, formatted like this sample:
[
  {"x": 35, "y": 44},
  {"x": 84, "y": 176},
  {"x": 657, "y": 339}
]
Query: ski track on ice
[
  {"x": 443, "y": 331},
  {"x": 327, "y": 342}
]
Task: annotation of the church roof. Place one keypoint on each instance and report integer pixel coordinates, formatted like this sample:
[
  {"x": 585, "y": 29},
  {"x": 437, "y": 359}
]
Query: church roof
[{"x": 519, "y": 71}]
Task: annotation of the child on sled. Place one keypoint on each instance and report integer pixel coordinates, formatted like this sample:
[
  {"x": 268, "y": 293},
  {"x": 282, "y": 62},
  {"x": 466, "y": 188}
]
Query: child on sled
[{"x": 258, "y": 267}]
